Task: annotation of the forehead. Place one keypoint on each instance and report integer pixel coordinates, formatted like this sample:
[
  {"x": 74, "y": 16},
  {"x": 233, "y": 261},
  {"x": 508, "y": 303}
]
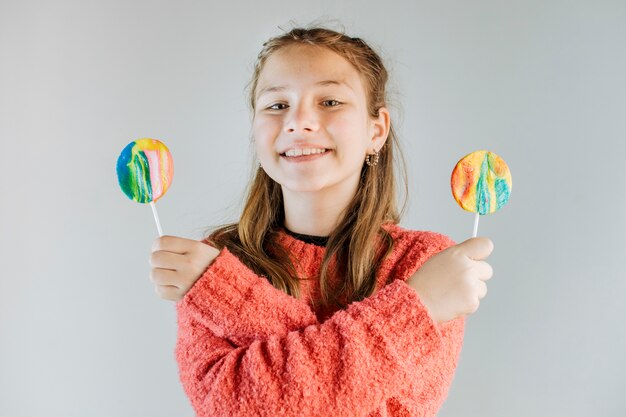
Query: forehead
[{"x": 302, "y": 65}]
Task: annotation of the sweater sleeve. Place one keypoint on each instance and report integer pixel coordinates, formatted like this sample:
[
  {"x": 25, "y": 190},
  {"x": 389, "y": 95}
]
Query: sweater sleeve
[
  {"x": 425, "y": 394},
  {"x": 349, "y": 365},
  {"x": 238, "y": 305}
]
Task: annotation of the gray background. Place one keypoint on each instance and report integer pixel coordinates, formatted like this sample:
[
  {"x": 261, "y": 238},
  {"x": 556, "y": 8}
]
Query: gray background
[{"x": 541, "y": 83}]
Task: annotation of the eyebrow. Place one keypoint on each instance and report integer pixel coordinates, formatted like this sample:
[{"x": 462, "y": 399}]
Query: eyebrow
[{"x": 320, "y": 83}]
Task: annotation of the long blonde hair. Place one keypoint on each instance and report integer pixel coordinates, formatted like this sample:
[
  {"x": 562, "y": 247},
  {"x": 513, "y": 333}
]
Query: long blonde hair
[{"x": 359, "y": 243}]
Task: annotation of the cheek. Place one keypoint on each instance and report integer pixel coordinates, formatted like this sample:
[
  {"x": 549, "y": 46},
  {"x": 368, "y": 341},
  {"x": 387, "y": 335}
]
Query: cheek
[
  {"x": 264, "y": 150},
  {"x": 347, "y": 122},
  {"x": 351, "y": 132},
  {"x": 265, "y": 125},
  {"x": 263, "y": 134}
]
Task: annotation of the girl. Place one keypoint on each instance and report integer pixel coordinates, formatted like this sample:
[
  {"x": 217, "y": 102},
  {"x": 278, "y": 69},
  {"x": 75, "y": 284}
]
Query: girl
[{"x": 316, "y": 302}]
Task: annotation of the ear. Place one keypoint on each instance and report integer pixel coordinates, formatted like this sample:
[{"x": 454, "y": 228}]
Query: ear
[{"x": 379, "y": 129}]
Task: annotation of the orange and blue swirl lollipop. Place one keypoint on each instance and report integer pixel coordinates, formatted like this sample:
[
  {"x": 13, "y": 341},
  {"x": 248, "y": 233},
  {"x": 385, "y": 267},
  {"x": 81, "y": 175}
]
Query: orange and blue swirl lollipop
[
  {"x": 144, "y": 171},
  {"x": 481, "y": 183}
]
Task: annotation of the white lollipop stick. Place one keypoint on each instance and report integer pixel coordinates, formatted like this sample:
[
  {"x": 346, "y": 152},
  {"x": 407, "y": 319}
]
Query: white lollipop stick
[
  {"x": 476, "y": 218},
  {"x": 156, "y": 218}
]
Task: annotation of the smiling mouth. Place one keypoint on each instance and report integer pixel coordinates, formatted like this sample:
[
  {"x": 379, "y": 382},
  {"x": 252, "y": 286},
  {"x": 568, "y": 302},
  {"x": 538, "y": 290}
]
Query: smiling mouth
[{"x": 297, "y": 153}]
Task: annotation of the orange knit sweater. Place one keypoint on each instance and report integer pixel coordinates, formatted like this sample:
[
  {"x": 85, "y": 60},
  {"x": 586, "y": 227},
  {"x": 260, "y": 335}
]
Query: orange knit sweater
[{"x": 245, "y": 348}]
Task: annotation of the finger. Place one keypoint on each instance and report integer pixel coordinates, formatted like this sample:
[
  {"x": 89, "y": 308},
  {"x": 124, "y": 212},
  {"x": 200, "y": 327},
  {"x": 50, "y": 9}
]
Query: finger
[
  {"x": 483, "y": 270},
  {"x": 164, "y": 277},
  {"x": 481, "y": 289},
  {"x": 477, "y": 248},
  {"x": 167, "y": 260},
  {"x": 168, "y": 292},
  {"x": 473, "y": 306},
  {"x": 172, "y": 244}
]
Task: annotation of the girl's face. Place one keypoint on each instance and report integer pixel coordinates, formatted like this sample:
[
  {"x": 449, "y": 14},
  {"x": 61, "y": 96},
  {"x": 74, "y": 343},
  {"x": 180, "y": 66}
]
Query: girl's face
[{"x": 311, "y": 126}]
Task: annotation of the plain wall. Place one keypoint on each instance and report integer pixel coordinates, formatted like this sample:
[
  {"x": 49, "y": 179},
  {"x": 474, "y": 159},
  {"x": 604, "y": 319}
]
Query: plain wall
[{"x": 541, "y": 83}]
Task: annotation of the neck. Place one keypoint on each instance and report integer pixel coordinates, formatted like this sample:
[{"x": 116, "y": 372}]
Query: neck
[{"x": 314, "y": 213}]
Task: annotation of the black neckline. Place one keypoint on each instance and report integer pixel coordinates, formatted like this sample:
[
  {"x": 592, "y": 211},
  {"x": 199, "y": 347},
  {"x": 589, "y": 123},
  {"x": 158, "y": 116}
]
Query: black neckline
[{"x": 315, "y": 240}]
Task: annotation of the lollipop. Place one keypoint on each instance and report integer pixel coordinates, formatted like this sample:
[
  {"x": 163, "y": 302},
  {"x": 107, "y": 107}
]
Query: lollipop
[
  {"x": 481, "y": 183},
  {"x": 144, "y": 171}
]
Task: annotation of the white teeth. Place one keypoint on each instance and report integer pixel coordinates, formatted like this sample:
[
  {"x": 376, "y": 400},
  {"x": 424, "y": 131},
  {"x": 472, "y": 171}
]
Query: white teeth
[{"x": 304, "y": 151}]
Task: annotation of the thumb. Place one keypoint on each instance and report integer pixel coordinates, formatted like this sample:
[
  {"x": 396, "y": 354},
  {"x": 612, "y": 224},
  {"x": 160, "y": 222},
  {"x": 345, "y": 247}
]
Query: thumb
[{"x": 476, "y": 248}]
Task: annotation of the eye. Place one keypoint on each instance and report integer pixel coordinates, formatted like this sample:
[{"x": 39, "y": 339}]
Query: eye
[
  {"x": 277, "y": 106},
  {"x": 331, "y": 103}
]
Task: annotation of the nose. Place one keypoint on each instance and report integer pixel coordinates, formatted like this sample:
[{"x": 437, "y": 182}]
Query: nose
[{"x": 302, "y": 118}]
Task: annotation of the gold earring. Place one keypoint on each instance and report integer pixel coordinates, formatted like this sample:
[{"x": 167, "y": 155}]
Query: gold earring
[{"x": 374, "y": 162}]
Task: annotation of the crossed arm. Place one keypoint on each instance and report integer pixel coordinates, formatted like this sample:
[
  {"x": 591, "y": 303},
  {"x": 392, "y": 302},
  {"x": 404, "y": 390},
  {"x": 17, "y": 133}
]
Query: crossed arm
[{"x": 245, "y": 348}]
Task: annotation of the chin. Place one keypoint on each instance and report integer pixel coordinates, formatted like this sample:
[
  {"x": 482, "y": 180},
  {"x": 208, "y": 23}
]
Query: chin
[{"x": 302, "y": 186}]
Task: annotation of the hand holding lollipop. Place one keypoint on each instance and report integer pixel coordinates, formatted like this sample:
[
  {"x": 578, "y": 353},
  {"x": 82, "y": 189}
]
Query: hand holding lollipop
[
  {"x": 481, "y": 183},
  {"x": 144, "y": 170}
]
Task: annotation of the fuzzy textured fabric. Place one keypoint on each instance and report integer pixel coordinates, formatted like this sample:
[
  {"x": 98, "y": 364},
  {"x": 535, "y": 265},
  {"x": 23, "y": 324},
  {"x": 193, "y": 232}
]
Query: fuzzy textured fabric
[{"x": 245, "y": 348}]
